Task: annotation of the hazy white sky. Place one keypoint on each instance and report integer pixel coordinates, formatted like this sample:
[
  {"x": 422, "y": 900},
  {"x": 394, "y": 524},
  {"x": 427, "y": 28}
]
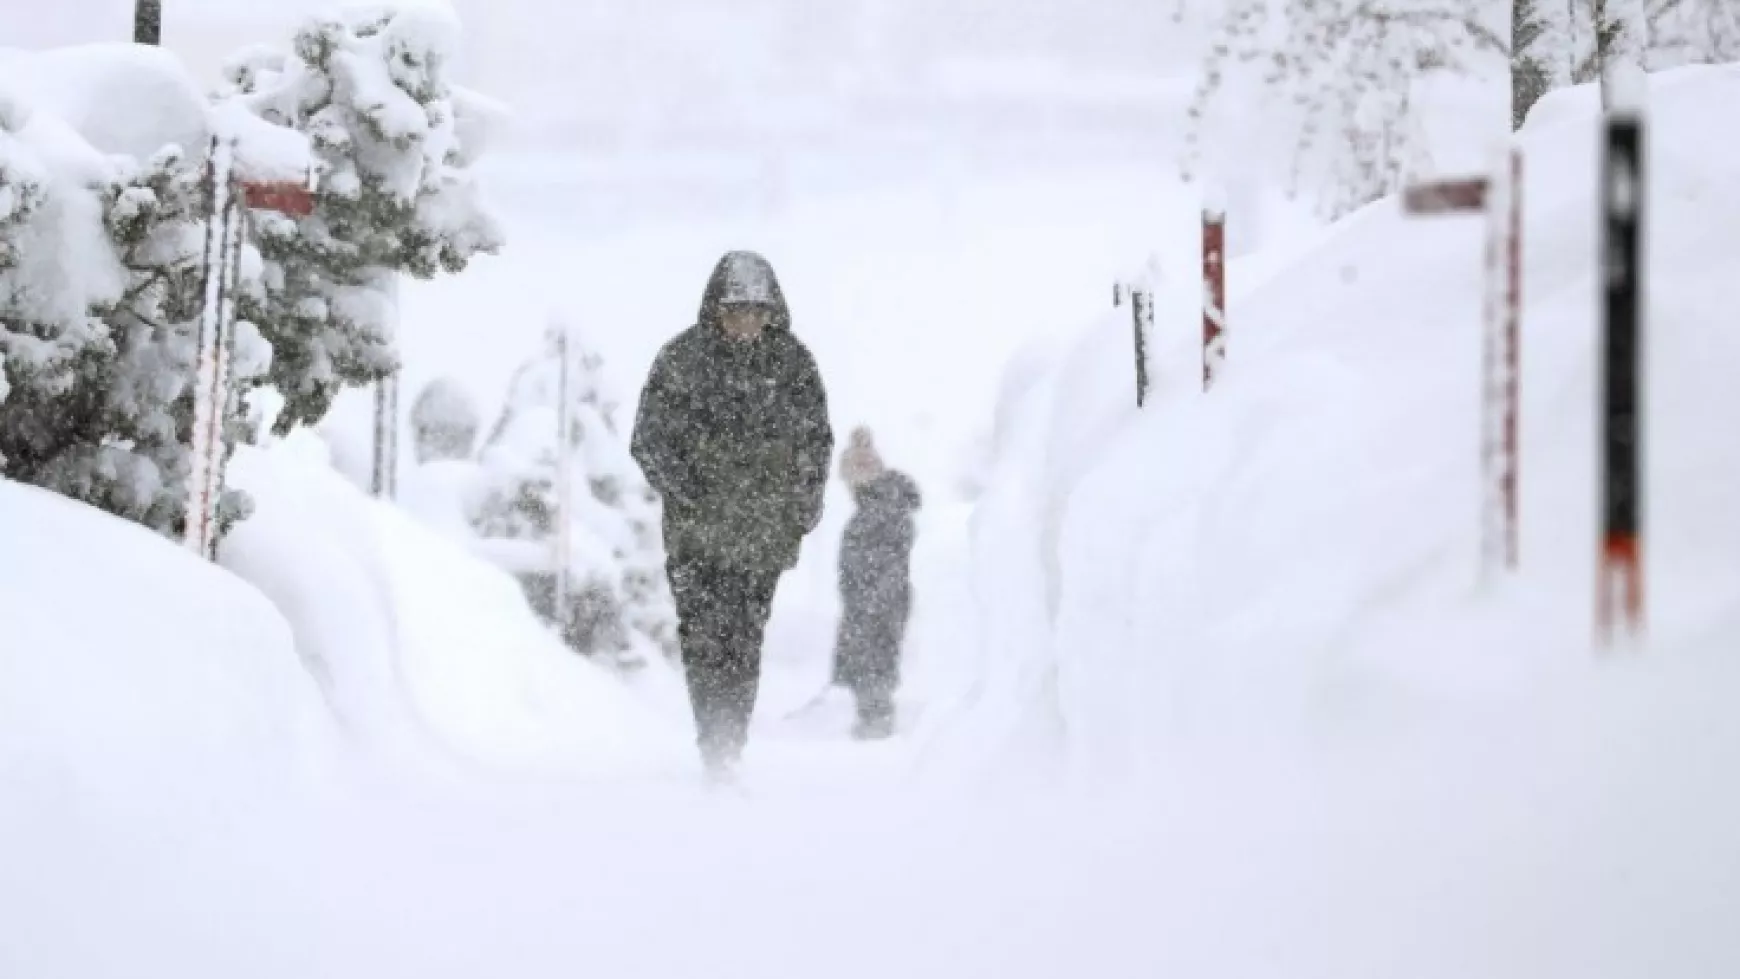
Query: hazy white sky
[{"x": 553, "y": 53}]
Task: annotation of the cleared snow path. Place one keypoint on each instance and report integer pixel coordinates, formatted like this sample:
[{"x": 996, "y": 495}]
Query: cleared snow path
[{"x": 523, "y": 880}]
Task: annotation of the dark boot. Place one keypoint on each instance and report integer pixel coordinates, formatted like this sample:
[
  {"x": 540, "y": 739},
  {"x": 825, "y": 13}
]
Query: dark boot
[{"x": 875, "y": 716}]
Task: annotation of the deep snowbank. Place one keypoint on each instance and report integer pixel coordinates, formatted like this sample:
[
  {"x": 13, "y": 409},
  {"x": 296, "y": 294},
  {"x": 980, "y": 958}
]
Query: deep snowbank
[
  {"x": 1265, "y": 558},
  {"x": 1262, "y": 602},
  {"x": 427, "y": 654},
  {"x": 132, "y": 670},
  {"x": 156, "y": 727}
]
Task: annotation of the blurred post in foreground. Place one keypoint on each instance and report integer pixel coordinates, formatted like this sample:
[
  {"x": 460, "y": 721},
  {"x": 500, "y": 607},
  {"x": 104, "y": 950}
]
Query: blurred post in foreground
[
  {"x": 1619, "y": 607},
  {"x": 148, "y": 22}
]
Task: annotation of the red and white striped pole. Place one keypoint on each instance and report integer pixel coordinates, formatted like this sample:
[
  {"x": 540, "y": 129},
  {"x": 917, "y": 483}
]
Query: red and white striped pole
[
  {"x": 222, "y": 236},
  {"x": 1213, "y": 292},
  {"x": 1499, "y": 197},
  {"x": 1502, "y": 343},
  {"x": 229, "y": 195},
  {"x": 1513, "y": 364}
]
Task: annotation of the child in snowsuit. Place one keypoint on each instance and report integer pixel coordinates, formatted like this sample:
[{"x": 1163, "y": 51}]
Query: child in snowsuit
[{"x": 875, "y": 583}]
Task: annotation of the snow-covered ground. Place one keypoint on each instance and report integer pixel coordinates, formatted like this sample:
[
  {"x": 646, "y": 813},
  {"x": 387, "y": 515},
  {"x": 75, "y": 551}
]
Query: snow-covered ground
[
  {"x": 1316, "y": 516},
  {"x": 1263, "y": 602},
  {"x": 1297, "y": 742}
]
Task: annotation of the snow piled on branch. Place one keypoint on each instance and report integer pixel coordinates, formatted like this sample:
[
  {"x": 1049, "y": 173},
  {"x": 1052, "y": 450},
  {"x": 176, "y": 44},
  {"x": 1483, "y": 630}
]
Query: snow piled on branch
[
  {"x": 370, "y": 88},
  {"x": 1329, "y": 88},
  {"x": 123, "y": 99},
  {"x": 53, "y": 172},
  {"x": 56, "y": 263},
  {"x": 102, "y": 160}
]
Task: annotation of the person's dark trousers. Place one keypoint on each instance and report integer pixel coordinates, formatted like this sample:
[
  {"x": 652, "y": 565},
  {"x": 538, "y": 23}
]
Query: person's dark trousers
[
  {"x": 721, "y": 615},
  {"x": 869, "y": 663}
]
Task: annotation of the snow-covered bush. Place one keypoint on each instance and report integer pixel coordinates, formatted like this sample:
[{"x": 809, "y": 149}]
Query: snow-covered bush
[
  {"x": 133, "y": 455},
  {"x": 618, "y": 597},
  {"x": 397, "y": 195},
  {"x": 444, "y": 422},
  {"x": 53, "y": 275},
  {"x": 100, "y": 407}
]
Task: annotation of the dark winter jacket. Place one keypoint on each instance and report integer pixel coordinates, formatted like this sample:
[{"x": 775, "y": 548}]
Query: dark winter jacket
[
  {"x": 876, "y": 551},
  {"x": 734, "y": 436},
  {"x": 876, "y": 579}
]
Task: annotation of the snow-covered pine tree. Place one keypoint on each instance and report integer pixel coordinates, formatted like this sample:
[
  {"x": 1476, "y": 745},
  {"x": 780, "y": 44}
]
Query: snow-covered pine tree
[
  {"x": 1561, "y": 42},
  {"x": 1668, "y": 35},
  {"x": 1683, "y": 32},
  {"x": 396, "y": 196},
  {"x": 1711, "y": 29},
  {"x": 1341, "y": 72},
  {"x": 49, "y": 327},
  {"x": 650, "y": 609},
  {"x": 102, "y": 410},
  {"x": 619, "y": 599},
  {"x": 1542, "y": 53},
  {"x": 135, "y": 458},
  {"x": 1621, "y": 33}
]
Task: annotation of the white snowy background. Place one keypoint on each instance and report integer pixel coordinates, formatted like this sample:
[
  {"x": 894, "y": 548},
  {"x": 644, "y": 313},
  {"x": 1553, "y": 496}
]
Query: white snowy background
[{"x": 1206, "y": 689}]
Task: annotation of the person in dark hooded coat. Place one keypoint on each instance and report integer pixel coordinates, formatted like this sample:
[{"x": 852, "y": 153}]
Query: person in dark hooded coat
[
  {"x": 733, "y": 433},
  {"x": 875, "y": 583}
]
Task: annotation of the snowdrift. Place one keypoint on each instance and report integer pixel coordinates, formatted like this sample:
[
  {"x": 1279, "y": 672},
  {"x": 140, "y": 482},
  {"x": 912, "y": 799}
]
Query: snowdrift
[
  {"x": 160, "y": 744},
  {"x": 429, "y": 656},
  {"x": 1299, "y": 548},
  {"x": 1263, "y": 603},
  {"x": 134, "y": 672}
]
